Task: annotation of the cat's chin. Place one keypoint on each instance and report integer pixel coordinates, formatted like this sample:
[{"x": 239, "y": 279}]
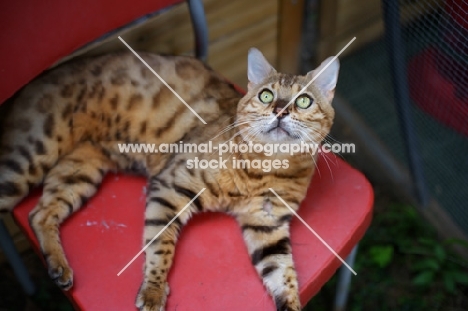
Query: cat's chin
[{"x": 279, "y": 135}]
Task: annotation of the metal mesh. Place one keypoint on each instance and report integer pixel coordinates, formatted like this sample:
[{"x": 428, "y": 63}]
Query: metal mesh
[{"x": 436, "y": 48}]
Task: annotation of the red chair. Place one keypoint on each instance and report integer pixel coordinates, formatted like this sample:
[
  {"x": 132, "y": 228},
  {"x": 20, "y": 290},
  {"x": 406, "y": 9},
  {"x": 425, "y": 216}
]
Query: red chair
[{"x": 212, "y": 269}]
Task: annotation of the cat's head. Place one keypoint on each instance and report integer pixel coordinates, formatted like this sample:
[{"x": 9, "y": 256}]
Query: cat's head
[{"x": 262, "y": 111}]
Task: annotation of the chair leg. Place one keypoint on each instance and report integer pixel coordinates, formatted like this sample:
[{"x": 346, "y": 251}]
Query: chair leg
[
  {"x": 197, "y": 14},
  {"x": 344, "y": 281},
  {"x": 8, "y": 247}
]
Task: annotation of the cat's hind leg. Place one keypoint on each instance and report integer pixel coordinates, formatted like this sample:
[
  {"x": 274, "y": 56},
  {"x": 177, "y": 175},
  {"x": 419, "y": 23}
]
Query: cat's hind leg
[
  {"x": 23, "y": 164},
  {"x": 67, "y": 187}
]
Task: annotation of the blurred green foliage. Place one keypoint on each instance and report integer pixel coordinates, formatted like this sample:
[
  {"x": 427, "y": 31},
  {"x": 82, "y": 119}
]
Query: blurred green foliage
[{"x": 402, "y": 264}]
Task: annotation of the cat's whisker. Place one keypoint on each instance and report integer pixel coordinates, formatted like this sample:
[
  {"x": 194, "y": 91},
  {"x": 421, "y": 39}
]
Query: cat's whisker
[
  {"x": 312, "y": 156},
  {"x": 325, "y": 157},
  {"x": 334, "y": 140},
  {"x": 329, "y": 168},
  {"x": 324, "y": 153},
  {"x": 230, "y": 127},
  {"x": 328, "y": 135},
  {"x": 245, "y": 139},
  {"x": 235, "y": 135},
  {"x": 246, "y": 122},
  {"x": 321, "y": 137},
  {"x": 334, "y": 154},
  {"x": 238, "y": 122},
  {"x": 304, "y": 135},
  {"x": 308, "y": 137},
  {"x": 251, "y": 134},
  {"x": 308, "y": 129},
  {"x": 263, "y": 298},
  {"x": 240, "y": 119}
]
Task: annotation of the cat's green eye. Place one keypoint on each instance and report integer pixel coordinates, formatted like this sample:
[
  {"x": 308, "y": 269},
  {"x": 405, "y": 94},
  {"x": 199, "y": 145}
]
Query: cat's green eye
[
  {"x": 266, "y": 96},
  {"x": 303, "y": 101}
]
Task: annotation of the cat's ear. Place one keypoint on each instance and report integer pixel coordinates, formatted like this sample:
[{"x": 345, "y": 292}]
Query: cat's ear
[
  {"x": 326, "y": 80},
  {"x": 258, "y": 67}
]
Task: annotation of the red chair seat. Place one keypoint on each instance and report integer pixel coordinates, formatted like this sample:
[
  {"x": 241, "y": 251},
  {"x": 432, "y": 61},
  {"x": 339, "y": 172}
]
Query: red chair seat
[{"x": 212, "y": 270}]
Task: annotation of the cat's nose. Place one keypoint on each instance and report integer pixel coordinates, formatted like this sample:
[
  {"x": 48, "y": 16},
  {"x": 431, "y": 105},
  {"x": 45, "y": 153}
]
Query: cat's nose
[
  {"x": 280, "y": 113},
  {"x": 279, "y": 110}
]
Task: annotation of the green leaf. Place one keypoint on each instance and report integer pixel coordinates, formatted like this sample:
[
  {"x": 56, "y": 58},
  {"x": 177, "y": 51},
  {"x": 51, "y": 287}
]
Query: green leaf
[
  {"x": 440, "y": 253},
  {"x": 415, "y": 250},
  {"x": 427, "y": 264},
  {"x": 381, "y": 255},
  {"x": 410, "y": 212},
  {"x": 449, "y": 283},
  {"x": 427, "y": 242},
  {"x": 424, "y": 278},
  {"x": 460, "y": 277}
]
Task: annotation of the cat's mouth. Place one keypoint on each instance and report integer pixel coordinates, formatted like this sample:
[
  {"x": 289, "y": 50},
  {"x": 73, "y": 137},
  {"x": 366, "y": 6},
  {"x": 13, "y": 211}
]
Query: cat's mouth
[{"x": 278, "y": 130}]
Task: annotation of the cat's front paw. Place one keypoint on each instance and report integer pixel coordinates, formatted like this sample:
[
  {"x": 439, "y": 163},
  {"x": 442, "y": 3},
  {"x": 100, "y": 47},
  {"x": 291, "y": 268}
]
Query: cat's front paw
[
  {"x": 288, "y": 303},
  {"x": 293, "y": 307},
  {"x": 152, "y": 297},
  {"x": 60, "y": 272}
]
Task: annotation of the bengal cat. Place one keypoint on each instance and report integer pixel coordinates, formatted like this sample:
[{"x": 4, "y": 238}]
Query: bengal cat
[{"x": 63, "y": 130}]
